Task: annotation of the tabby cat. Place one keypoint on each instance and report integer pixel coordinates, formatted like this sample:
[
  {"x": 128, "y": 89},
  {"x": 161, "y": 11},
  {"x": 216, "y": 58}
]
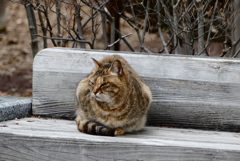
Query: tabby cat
[{"x": 112, "y": 100}]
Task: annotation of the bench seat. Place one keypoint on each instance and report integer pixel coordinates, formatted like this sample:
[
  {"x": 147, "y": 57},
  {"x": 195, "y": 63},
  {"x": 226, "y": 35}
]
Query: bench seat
[{"x": 54, "y": 139}]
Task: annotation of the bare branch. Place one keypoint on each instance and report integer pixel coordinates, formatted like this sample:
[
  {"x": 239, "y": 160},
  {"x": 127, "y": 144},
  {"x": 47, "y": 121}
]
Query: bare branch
[
  {"x": 201, "y": 48},
  {"x": 211, "y": 23},
  {"x": 182, "y": 26},
  {"x": 58, "y": 21},
  {"x": 79, "y": 24},
  {"x": 57, "y": 38},
  {"x": 32, "y": 27},
  {"x": 44, "y": 31},
  {"x": 141, "y": 41},
  {"x": 176, "y": 24},
  {"x": 160, "y": 29}
]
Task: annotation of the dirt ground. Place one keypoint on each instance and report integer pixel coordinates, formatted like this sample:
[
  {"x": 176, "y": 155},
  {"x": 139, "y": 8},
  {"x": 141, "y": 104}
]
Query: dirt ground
[{"x": 15, "y": 54}]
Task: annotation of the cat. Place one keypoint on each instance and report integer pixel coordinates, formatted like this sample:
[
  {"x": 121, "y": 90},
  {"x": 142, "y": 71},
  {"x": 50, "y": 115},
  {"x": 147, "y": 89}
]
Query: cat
[{"x": 112, "y": 100}]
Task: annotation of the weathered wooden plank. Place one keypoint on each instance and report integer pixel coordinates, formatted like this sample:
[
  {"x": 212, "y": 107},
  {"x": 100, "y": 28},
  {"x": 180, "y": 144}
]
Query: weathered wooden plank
[
  {"x": 41, "y": 139},
  {"x": 187, "y": 91},
  {"x": 147, "y": 65},
  {"x": 191, "y": 104}
]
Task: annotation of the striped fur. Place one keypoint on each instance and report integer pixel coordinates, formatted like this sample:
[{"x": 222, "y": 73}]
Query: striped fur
[{"x": 112, "y": 100}]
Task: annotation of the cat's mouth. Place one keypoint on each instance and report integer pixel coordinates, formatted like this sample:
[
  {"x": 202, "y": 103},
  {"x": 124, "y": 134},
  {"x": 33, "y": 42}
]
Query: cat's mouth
[
  {"x": 99, "y": 98},
  {"x": 96, "y": 97}
]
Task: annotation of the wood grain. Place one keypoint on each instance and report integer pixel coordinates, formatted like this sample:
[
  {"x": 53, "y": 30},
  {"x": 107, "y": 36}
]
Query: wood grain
[
  {"x": 190, "y": 92},
  {"x": 51, "y": 139}
]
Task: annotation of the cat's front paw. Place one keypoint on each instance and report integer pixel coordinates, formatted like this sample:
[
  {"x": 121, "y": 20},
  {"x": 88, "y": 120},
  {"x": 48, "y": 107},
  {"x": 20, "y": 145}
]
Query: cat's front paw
[
  {"x": 104, "y": 131},
  {"x": 119, "y": 131},
  {"x": 93, "y": 128}
]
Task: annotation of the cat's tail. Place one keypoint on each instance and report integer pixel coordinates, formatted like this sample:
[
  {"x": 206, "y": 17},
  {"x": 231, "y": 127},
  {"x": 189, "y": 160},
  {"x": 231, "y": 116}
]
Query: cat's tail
[{"x": 94, "y": 128}]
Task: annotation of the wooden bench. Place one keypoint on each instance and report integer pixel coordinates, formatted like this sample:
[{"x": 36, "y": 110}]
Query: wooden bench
[{"x": 196, "y": 93}]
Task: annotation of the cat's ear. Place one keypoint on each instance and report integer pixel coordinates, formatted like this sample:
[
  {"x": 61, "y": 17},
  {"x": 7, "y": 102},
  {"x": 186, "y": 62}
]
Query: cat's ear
[
  {"x": 116, "y": 68},
  {"x": 98, "y": 64}
]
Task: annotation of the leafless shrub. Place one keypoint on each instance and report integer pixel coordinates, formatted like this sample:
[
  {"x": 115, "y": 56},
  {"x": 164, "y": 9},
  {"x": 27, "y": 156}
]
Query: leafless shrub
[{"x": 182, "y": 26}]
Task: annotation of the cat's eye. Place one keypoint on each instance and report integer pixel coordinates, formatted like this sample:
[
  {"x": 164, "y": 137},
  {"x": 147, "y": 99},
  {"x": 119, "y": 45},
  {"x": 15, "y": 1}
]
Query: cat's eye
[
  {"x": 91, "y": 83},
  {"x": 104, "y": 84}
]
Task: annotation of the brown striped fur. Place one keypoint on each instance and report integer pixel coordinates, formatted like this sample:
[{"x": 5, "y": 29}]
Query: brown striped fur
[{"x": 112, "y": 100}]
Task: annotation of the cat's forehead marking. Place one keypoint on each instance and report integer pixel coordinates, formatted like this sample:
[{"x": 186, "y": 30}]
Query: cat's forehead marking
[
  {"x": 102, "y": 70},
  {"x": 99, "y": 80}
]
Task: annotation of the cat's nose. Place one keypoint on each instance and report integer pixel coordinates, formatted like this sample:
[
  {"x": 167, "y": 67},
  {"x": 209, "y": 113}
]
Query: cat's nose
[{"x": 95, "y": 91}]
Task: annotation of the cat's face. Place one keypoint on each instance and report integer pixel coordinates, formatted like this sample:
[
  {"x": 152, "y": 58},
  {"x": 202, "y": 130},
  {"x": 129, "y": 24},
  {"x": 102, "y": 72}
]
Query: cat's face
[
  {"x": 104, "y": 88},
  {"x": 107, "y": 83}
]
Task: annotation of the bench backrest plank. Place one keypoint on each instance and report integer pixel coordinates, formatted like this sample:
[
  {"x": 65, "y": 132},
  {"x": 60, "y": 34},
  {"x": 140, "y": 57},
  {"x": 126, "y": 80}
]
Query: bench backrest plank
[{"x": 190, "y": 92}]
